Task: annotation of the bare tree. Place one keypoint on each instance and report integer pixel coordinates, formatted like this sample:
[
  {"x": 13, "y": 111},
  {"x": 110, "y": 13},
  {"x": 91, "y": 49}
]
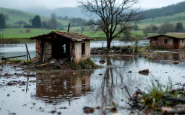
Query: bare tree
[{"x": 115, "y": 16}]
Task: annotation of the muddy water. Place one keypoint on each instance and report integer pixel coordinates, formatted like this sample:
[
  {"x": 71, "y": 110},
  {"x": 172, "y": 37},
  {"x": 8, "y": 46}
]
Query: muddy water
[
  {"x": 67, "y": 92},
  {"x": 9, "y": 50}
]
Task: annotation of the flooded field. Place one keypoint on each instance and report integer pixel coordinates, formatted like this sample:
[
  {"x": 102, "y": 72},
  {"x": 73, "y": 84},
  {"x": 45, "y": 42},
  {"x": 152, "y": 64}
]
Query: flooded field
[
  {"x": 95, "y": 92},
  {"x": 67, "y": 93},
  {"x": 8, "y": 50}
]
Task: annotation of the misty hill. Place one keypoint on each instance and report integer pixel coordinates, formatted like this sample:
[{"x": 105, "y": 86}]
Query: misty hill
[
  {"x": 70, "y": 12},
  {"x": 77, "y": 12},
  {"x": 65, "y": 11},
  {"x": 13, "y": 16},
  {"x": 165, "y": 11}
]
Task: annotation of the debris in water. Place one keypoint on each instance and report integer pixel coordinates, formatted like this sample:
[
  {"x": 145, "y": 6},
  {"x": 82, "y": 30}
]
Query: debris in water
[
  {"x": 100, "y": 74},
  {"x": 102, "y": 61},
  {"x": 144, "y": 72},
  {"x": 88, "y": 110},
  {"x": 53, "y": 111},
  {"x": 175, "y": 62}
]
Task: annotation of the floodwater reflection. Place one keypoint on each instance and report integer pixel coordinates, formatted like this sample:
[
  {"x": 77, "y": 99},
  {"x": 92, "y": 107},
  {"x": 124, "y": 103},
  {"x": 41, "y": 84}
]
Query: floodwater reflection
[
  {"x": 67, "y": 92},
  {"x": 63, "y": 84}
]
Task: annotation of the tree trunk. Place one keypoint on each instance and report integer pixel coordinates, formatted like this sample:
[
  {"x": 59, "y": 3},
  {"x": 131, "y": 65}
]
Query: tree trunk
[{"x": 108, "y": 44}]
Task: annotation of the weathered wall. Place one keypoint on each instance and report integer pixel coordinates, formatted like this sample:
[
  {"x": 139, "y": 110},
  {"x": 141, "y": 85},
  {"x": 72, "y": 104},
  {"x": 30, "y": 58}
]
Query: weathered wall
[
  {"x": 78, "y": 51},
  {"x": 160, "y": 43},
  {"x": 182, "y": 43},
  {"x": 47, "y": 55},
  {"x": 38, "y": 50}
]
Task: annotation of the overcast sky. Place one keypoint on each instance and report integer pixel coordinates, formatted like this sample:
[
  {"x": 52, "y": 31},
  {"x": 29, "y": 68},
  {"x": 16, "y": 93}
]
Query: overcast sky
[{"x": 144, "y": 4}]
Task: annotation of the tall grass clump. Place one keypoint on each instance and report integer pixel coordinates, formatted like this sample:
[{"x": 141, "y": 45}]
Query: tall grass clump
[{"x": 156, "y": 92}]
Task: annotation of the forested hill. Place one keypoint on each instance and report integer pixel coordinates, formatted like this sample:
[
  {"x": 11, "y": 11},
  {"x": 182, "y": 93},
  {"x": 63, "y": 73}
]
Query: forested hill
[{"x": 165, "y": 11}]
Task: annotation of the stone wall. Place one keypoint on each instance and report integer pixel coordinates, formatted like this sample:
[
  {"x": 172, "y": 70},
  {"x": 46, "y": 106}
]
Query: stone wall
[
  {"x": 47, "y": 55},
  {"x": 38, "y": 50}
]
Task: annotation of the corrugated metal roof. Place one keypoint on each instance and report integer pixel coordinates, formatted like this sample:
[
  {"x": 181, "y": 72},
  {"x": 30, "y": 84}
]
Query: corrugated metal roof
[{"x": 70, "y": 35}]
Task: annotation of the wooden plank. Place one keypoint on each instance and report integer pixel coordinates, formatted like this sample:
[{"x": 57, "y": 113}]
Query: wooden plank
[{"x": 28, "y": 53}]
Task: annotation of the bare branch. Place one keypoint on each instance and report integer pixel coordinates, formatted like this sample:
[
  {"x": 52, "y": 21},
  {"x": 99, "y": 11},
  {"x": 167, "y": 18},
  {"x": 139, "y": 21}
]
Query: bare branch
[{"x": 115, "y": 16}]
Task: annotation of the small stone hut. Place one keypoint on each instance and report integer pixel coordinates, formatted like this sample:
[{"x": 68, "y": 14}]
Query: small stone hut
[
  {"x": 166, "y": 41},
  {"x": 61, "y": 46}
]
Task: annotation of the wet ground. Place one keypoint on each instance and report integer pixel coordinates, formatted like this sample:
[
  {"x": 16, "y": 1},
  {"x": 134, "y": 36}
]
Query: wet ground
[
  {"x": 67, "y": 93},
  {"x": 15, "y": 49}
]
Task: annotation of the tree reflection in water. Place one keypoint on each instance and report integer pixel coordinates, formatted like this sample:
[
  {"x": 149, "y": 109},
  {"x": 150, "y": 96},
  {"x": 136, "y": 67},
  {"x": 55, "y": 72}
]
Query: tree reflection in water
[{"x": 111, "y": 86}]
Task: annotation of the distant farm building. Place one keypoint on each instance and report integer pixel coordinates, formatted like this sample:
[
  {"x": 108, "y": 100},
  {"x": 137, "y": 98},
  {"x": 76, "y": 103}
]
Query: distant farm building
[
  {"x": 62, "y": 45},
  {"x": 166, "y": 41}
]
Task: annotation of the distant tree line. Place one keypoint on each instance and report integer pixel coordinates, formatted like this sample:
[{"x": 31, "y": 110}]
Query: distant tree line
[
  {"x": 164, "y": 28},
  {"x": 165, "y": 11},
  {"x": 2, "y": 21},
  {"x": 36, "y": 22}
]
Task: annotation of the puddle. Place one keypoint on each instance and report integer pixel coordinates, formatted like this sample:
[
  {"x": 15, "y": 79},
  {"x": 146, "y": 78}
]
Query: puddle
[{"x": 68, "y": 93}]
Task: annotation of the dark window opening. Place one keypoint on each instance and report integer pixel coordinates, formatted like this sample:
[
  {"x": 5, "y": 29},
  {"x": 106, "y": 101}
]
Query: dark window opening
[
  {"x": 83, "y": 48},
  {"x": 182, "y": 41},
  {"x": 166, "y": 41},
  {"x": 60, "y": 50},
  {"x": 155, "y": 39}
]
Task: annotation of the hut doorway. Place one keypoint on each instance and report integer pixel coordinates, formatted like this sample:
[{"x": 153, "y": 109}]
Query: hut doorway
[
  {"x": 176, "y": 44},
  {"x": 60, "y": 50}
]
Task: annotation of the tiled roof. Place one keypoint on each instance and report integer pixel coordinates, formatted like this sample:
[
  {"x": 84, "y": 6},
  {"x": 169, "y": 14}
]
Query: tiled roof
[{"x": 70, "y": 35}]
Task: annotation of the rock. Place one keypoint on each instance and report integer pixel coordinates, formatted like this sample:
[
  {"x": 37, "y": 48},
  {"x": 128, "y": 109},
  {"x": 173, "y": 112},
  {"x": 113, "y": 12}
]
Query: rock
[
  {"x": 102, "y": 61},
  {"x": 53, "y": 111},
  {"x": 144, "y": 72},
  {"x": 100, "y": 74},
  {"x": 88, "y": 110}
]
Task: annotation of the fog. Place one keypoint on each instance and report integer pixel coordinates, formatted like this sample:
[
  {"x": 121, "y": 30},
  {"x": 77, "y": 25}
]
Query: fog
[{"x": 17, "y": 4}]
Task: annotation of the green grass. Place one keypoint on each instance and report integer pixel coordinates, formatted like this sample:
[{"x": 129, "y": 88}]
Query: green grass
[
  {"x": 12, "y": 33},
  {"x": 15, "y": 32},
  {"x": 155, "y": 93},
  {"x": 179, "y": 17},
  {"x": 16, "y": 15}
]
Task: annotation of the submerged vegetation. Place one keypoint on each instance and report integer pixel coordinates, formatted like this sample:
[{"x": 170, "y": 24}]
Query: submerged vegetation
[
  {"x": 86, "y": 64},
  {"x": 159, "y": 97}
]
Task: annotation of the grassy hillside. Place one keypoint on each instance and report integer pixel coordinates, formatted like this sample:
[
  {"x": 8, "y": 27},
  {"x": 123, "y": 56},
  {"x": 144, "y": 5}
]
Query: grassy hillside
[
  {"x": 16, "y": 15},
  {"x": 13, "y": 33},
  {"x": 21, "y": 32},
  {"x": 165, "y": 11},
  {"x": 179, "y": 17}
]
